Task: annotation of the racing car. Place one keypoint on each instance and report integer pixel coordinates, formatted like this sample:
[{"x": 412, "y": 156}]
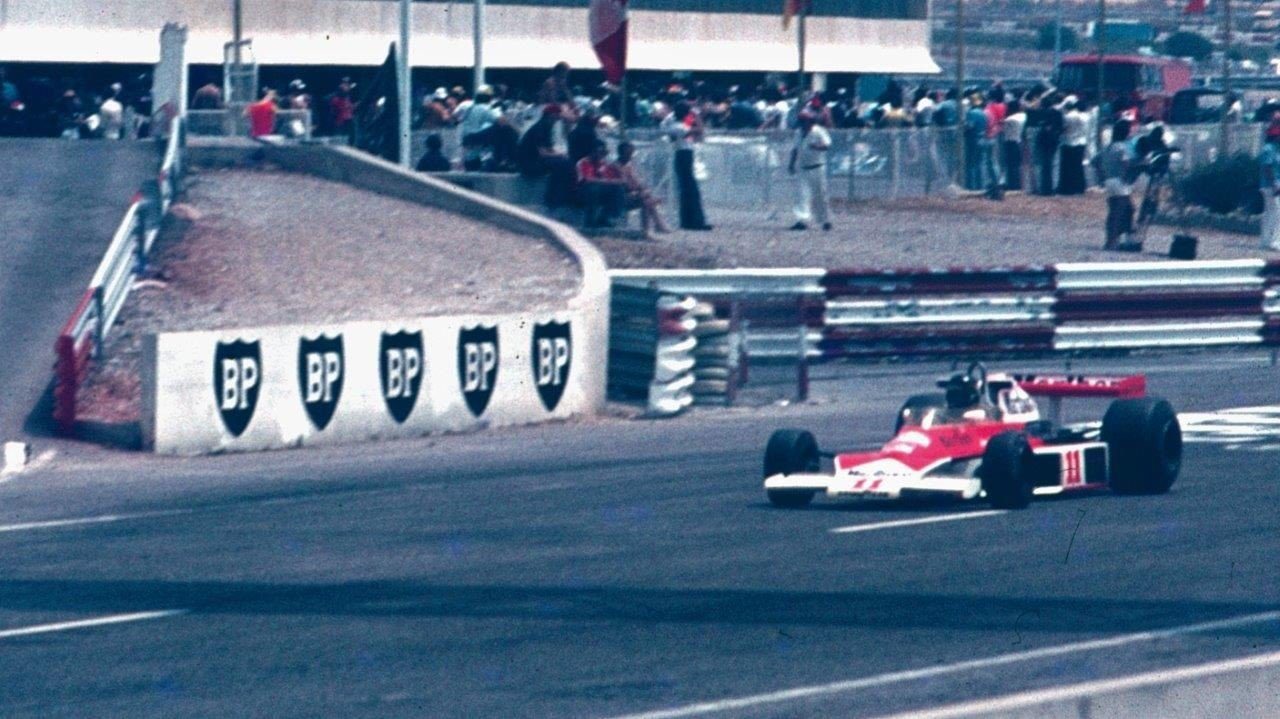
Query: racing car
[{"x": 983, "y": 437}]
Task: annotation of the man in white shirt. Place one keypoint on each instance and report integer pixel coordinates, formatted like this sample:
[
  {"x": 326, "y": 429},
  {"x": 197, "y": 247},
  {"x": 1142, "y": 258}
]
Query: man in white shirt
[
  {"x": 474, "y": 126},
  {"x": 112, "y": 114},
  {"x": 810, "y": 157}
]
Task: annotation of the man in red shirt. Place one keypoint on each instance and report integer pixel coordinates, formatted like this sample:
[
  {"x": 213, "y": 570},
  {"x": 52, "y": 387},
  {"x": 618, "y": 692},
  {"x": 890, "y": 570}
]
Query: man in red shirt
[
  {"x": 342, "y": 110},
  {"x": 600, "y": 187},
  {"x": 262, "y": 114}
]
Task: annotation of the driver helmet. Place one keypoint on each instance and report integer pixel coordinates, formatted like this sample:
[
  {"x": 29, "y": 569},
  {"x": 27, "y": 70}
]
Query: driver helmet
[{"x": 964, "y": 391}]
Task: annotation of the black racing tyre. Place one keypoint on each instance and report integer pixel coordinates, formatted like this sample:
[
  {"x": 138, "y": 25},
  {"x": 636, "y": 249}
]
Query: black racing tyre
[
  {"x": 918, "y": 404},
  {"x": 1006, "y": 471},
  {"x": 790, "y": 451},
  {"x": 1144, "y": 441}
]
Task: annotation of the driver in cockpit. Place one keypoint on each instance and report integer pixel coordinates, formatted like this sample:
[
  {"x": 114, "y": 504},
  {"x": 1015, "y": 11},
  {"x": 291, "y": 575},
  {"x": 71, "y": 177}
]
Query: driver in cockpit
[{"x": 966, "y": 397}]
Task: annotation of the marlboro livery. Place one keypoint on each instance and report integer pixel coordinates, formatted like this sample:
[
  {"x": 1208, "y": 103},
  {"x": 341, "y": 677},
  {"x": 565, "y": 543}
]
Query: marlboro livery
[{"x": 984, "y": 437}]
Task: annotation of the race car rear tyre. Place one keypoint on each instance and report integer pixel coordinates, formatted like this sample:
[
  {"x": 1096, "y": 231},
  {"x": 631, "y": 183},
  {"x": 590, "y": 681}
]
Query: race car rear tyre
[
  {"x": 1006, "y": 471},
  {"x": 790, "y": 451},
  {"x": 917, "y": 404},
  {"x": 1144, "y": 441}
]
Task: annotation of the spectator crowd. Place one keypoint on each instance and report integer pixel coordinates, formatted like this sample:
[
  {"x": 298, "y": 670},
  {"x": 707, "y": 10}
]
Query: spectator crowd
[{"x": 42, "y": 107}]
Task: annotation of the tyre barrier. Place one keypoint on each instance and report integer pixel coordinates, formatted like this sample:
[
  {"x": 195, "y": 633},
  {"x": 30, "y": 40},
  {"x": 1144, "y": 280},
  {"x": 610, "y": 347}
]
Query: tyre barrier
[
  {"x": 959, "y": 311},
  {"x": 651, "y": 349}
]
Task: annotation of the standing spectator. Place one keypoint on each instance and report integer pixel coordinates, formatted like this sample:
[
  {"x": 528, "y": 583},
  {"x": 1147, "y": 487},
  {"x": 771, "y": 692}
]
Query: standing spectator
[
  {"x": 683, "y": 128},
  {"x": 923, "y": 107},
  {"x": 208, "y": 97},
  {"x": 1269, "y": 185},
  {"x": 638, "y": 193},
  {"x": 1015, "y": 122},
  {"x": 1117, "y": 161},
  {"x": 1048, "y": 127},
  {"x": 996, "y": 112},
  {"x": 555, "y": 91},
  {"x": 504, "y": 142},
  {"x": 475, "y": 126},
  {"x": 810, "y": 156},
  {"x": 946, "y": 117},
  {"x": 298, "y": 101},
  {"x": 975, "y": 142},
  {"x": 71, "y": 114},
  {"x": 262, "y": 114},
  {"x": 8, "y": 92},
  {"x": 111, "y": 113},
  {"x": 433, "y": 160},
  {"x": 436, "y": 113},
  {"x": 537, "y": 156},
  {"x": 1075, "y": 138},
  {"x": 342, "y": 110}
]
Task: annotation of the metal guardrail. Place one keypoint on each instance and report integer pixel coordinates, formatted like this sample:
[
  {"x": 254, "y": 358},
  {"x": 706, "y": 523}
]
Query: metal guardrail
[
  {"x": 83, "y": 335},
  {"x": 231, "y": 122},
  {"x": 1070, "y": 307}
]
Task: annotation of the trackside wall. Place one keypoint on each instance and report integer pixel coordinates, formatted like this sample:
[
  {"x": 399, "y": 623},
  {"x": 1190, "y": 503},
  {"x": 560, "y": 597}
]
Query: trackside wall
[{"x": 312, "y": 384}]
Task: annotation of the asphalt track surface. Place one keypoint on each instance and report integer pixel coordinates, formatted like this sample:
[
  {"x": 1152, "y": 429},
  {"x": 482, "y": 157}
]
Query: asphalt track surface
[
  {"x": 616, "y": 568},
  {"x": 60, "y": 203}
]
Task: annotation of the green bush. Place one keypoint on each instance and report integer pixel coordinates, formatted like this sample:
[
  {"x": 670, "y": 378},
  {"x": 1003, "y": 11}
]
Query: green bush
[{"x": 1224, "y": 185}]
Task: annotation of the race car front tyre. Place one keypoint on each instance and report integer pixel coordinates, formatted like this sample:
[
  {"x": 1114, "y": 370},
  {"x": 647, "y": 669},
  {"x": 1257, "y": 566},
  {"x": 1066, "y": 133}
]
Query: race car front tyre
[
  {"x": 918, "y": 408},
  {"x": 1006, "y": 471},
  {"x": 1144, "y": 441},
  {"x": 790, "y": 451}
]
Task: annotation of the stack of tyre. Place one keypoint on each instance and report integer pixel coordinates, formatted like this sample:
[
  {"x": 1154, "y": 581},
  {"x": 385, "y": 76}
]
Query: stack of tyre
[{"x": 717, "y": 357}]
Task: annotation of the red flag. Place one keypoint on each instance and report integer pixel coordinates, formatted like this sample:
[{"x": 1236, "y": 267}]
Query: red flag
[
  {"x": 791, "y": 8},
  {"x": 607, "y": 23},
  {"x": 1194, "y": 7}
]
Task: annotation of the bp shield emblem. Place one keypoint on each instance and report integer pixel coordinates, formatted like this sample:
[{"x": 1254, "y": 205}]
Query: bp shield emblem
[
  {"x": 400, "y": 367},
  {"x": 320, "y": 377},
  {"x": 237, "y": 376},
  {"x": 478, "y": 365},
  {"x": 552, "y": 355}
]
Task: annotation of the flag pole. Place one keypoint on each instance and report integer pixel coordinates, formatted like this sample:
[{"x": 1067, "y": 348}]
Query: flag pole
[
  {"x": 405, "y": 82},
  {"x": 1102, "y": 66}
]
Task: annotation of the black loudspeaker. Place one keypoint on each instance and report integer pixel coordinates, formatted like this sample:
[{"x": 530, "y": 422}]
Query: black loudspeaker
[{"x": 1183, "y": 247}]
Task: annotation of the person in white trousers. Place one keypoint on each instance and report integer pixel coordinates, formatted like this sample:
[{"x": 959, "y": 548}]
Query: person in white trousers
[
  {"x": 810, "y": 157},
  {"x": 1269, "y": 186}
]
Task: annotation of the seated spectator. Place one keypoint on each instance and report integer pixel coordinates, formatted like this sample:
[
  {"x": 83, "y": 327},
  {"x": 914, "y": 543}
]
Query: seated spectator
[
  {"x": 638, "y": 194},
  {"x": 476, "y": 120},
  {"x": 583, "y": 137},
  {"x": 504, "y": 143},
  {"x": 603, "y": 193},
  {"x": 537, "y": 156},
  {"x": 433, "y": 160}
]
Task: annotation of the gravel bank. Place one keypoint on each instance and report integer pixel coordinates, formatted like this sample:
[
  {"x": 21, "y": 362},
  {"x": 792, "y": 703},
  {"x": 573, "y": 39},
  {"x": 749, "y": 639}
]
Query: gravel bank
[
  {"x": 253, "y": 248},
  {"x": 932, "y": 231}
]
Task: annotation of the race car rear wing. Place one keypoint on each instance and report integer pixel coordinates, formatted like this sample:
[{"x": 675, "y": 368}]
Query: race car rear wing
[
  {"x": 1055, "y": 387},
  {"x": 1044, "y": 385}
]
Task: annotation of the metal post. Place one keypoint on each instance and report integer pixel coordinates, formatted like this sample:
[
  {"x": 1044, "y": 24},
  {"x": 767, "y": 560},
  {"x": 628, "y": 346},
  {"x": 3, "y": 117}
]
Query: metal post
[
  {"x": 802, "y": 356},
  {"x": 960, "y": 176},
  {"x": 1057, "y": 33},
  {"x": 99, "y": 320},
  {"x": 800, "y": 32},
  {"x": 1102, "y": 52},
  {"x": 406, "y": 82},
  {"x": 237, "y": 34},
  {"x": 1224, "y": 136},
  {"x": 477, "y": 42}
]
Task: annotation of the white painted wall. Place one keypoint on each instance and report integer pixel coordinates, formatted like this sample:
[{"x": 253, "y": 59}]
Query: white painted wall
[
  {"x": 357, "y": 32},
  {"x": 183, "y": 407}
]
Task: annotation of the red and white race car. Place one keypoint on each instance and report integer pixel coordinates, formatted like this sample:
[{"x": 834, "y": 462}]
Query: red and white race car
[{"x": 983, "y": 436}]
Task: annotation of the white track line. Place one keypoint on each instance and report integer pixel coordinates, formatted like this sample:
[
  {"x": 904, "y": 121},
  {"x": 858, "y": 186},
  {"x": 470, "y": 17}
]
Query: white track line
[
  {"x": 87, "y": 623},
  {"x": 103, "y": 519},
  {"x": 1027, "y": 700},
  {"x": 911, "y": 675},
  {"x": 913, "y": 522}
]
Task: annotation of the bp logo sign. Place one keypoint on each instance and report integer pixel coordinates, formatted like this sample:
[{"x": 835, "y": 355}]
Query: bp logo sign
[
  {"x": 552, "y": 354},
  {"x": 320, "y": 377},
  {"x": 478, "y": 365},
  {"x": 400, "y": 367},
  {"x": 237, "y": 375}
]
